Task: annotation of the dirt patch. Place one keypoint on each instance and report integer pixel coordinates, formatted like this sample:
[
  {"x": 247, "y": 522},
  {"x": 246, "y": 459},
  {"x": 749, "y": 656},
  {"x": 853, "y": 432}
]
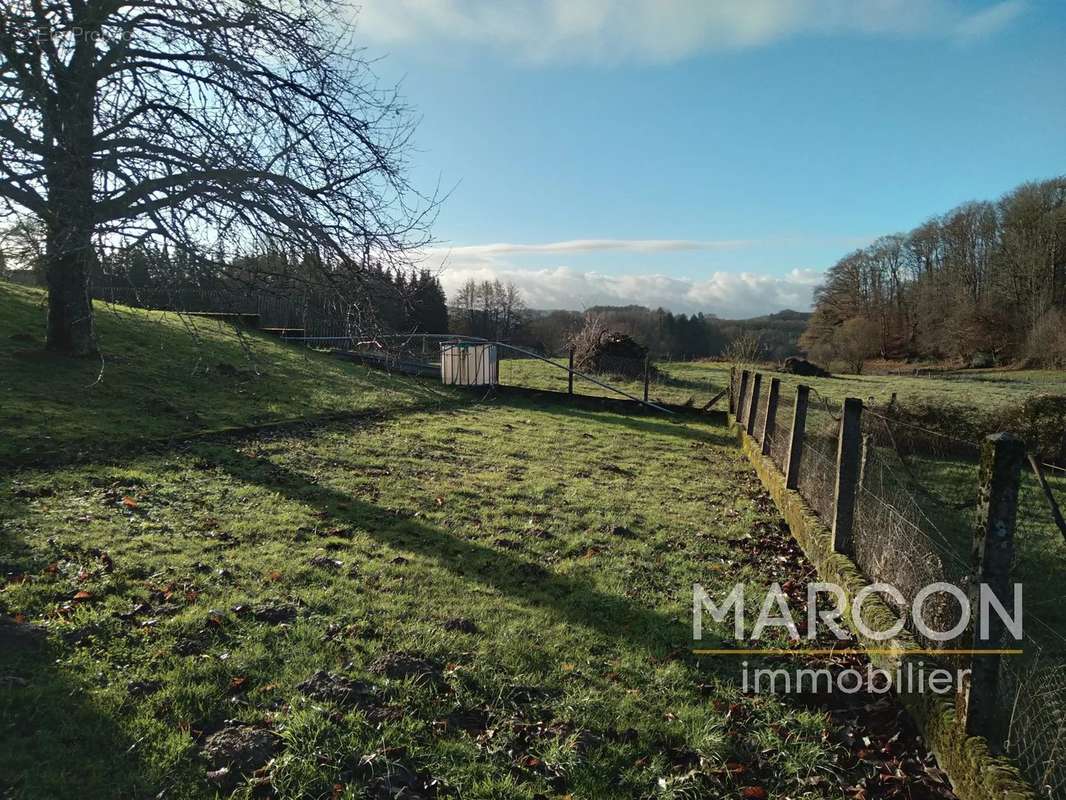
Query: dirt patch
[
  {"x": 404, "y": 666},
  {"x": 332, "y": 688},
  {"x": 237, "y": 749}
]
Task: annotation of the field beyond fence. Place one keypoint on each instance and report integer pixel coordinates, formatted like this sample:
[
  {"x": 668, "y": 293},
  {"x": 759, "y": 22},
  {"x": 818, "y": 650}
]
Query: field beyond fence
[{"x": 907, "y": 509}]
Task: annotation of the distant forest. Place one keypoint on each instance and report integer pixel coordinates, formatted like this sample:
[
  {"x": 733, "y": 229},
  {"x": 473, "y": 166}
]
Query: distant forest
[
  {"x": 983, "y": 284},
  {"x": 494, "y": 310}
]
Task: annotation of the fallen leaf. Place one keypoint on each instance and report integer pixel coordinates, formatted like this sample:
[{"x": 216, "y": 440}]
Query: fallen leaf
[{"x": 82, "y": 596}]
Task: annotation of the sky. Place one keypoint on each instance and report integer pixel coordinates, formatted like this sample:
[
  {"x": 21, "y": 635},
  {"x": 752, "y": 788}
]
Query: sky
[{"x": 708, "y": 156}]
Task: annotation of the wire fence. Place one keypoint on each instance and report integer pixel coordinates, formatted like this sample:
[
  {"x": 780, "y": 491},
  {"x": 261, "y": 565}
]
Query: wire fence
[
  {"x": 306, "y": 313},
  {"x": 913, "y": 526}
]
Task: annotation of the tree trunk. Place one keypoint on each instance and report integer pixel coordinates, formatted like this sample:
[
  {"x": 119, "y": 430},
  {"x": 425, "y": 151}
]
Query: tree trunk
[
  {"x": 69, "y": 222},
  {"x": 70, "y": 314}
]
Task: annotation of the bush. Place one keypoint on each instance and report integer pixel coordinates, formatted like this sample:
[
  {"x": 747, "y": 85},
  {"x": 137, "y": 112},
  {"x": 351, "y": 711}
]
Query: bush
[
  {"x": 598, "y": 350},
  {"x": 1046, "y": 344}
]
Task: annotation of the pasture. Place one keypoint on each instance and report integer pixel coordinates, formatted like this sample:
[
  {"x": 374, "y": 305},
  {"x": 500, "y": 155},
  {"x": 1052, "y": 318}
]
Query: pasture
[{"x": 442, "y": 598}]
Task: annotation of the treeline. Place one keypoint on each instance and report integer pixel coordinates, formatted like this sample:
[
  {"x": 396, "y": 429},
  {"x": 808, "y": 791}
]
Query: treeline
[
  {"x": 489, "y": 310},
  {"x": 401, "y": 301},
  {"x": 395, "y": 300},
  {"x": 984, "y": 283},
  {"x": 665, "y": 334}
]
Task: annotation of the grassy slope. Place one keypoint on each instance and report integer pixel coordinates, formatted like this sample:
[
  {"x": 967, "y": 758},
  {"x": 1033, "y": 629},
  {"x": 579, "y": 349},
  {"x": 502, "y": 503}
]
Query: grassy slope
[
  {"x": 163, "y": 376},
  {"x": 575, "y": 683}
]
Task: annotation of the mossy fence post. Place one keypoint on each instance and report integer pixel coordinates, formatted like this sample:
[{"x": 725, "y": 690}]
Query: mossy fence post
[
  {"x": 646, "y": 368},
  {"x": 732, "y": 390},
  {"x": 753, "y": 403},
  {"x": 1002, "y": 455},
  {"x": 740, "y": 394},
  {"x": 770, "y": 422},
  {"x": 795, "y": 442},
  {"x": 849, "y": 452}
]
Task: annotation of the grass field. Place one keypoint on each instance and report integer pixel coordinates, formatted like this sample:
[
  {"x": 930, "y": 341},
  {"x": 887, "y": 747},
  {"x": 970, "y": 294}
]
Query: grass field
[
  {"x": 163, "y": 376},
  {"x": 952, "y": 479},
  {"x": 978, "y": 390},
  {"x": 446, "y": 599}
]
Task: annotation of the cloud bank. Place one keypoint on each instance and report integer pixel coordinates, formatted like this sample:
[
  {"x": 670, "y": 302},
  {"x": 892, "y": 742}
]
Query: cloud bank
[
  {"x": 731, "y": 295},
  {"x": 664, "y": 30}
]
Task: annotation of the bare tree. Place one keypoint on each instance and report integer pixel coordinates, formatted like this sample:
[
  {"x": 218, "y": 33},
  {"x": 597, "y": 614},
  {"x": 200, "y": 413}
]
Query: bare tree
[
  {"x": 211, "y": 126},
  {"x": 745, "y": 349},
  {"x": 855, "y": 341}
]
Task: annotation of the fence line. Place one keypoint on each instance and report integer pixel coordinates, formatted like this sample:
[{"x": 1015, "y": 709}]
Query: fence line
[{"x": 909, "y": 534}]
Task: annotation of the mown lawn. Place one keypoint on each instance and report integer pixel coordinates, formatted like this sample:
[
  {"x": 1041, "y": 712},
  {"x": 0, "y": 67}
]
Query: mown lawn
[{"x": 508, "y": 587}]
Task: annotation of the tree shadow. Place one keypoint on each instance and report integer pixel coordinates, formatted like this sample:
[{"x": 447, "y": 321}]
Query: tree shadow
[
  {"x": 525, "y": 580},
  {"x": 690, "y": 428},
  {"x": 53, "y": 734}
]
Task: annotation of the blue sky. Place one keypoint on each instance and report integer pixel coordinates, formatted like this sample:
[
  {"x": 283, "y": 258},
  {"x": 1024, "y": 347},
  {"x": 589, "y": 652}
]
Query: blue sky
[{"x": 707, "y": 156}]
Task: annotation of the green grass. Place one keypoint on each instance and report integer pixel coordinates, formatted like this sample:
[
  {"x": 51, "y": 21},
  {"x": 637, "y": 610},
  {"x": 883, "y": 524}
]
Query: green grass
[
  {"x": 983, "y": 391},
  {"x": 952, "y": 480},
  {"x": 676, "y": 382},
  {"x": 535, "y": 564},
  {"x": 577, "y": 681},
  {"x": 567, "y": 541},
  {"x": 164, "y": 376}
]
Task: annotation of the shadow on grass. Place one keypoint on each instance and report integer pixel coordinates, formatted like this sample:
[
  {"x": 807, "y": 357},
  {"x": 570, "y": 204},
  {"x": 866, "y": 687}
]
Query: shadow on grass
[
  {"x": 53, "y": 735},
  {"x": 525, "y": 580},
  {"x": 655, "y": 423}
]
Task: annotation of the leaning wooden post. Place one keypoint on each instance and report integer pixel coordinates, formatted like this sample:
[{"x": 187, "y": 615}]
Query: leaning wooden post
[
  {"x": 770, "y": 422},
  {"x": 849, "y": 454},
  {"x": 645, "y": 379},
  {"x": 795, "y": 442},
  {"x": 753, "y": 403},
  {"x": 732, "y": 389},
  {"x": 740, "y": 395},
  {"x": 570, "y": 374},
  {"x": 993, "y": 548}
]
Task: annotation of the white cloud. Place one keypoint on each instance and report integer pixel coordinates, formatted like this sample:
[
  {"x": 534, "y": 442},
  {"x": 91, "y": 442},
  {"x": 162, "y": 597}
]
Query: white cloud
[
  {"x": 989, "y": 20},
  {"x": 661, "y": 30},
  {"x": 731, "y": 295}
]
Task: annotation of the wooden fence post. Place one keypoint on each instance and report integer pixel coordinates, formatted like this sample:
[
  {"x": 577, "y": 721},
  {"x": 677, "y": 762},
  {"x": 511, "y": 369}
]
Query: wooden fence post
[
  {"x": 770, "y": 423},
  {"x": 849, "y": 452},
  {"x": 732, "y": 389},
  {"x": 795, "y": 442},
  {"x": 753, "y": 403},
  {"x": 740, "y": 395},
  {"x": 570, "y": 374},
  {"x": 645, "y": 379},
  {"x": 993, "y": 548}
]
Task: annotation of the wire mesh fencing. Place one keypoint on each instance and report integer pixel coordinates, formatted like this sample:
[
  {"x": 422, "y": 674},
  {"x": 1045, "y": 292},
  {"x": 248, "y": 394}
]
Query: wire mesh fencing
[
  {"x": 915, "y": 497},
  {"x": 1032, "y": 693}
]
